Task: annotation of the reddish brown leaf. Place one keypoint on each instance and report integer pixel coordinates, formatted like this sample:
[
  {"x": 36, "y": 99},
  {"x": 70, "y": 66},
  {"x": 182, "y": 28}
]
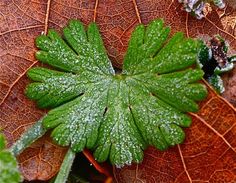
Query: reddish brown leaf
[
  {"x": 230, "y": 86},
  {"x": 47, "y": 157},
  {"x": 21, "y": 21},
  {"x": 207, "y": 155}
]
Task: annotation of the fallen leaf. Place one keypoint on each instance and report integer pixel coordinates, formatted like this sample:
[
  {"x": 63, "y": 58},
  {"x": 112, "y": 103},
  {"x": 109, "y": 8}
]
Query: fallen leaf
[
  {"x": 207, "y": 155},
  {"x": 22, "y": 21},
  {"x": 41, "y": 158},
  {"x": 230, "y": 87}
]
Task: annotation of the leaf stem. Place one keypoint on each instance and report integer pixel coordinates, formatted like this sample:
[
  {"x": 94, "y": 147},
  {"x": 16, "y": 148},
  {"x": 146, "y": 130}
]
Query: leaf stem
[
  {"x": 30, "y": 136},
  {"x": 65, "y": 167}
]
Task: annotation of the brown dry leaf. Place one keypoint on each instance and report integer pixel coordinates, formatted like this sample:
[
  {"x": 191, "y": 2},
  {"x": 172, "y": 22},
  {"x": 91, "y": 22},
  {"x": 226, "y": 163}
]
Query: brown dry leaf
[
  {"x": 207, "y": 155},
  {"x": 22, "y": 20},
  {"x": 41, "y": 158},
  {"x": 230, "y": 86}
]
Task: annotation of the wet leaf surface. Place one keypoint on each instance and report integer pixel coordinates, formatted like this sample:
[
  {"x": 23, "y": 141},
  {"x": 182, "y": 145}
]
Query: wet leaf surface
[
  {"x": 207, "y": 155},
  {"x": 21, "y": 21}
]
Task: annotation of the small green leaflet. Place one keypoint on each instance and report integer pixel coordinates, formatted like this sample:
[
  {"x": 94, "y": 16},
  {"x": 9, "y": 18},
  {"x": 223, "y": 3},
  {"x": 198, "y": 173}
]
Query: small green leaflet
[
  {"x": 117, "y": 115},
  {"x": 9, "y": 172}
]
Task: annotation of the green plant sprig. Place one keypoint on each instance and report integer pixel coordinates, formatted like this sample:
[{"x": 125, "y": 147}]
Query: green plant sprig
[{"x": 9, "y": 171}]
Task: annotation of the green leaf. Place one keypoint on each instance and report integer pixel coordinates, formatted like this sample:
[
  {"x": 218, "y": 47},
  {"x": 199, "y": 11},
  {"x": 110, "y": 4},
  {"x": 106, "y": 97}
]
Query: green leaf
[
  {"x": 217, "y": 83},
  {"x": 9, "y": 172},
  {"x": 117, "y": 115},
  {"x": 2, "y": 142},
  {"x": 204, "y": 55}
]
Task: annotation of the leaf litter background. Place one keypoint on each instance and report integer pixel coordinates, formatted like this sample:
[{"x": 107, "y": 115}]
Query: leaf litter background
[{"x": 209, "y": 152}]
